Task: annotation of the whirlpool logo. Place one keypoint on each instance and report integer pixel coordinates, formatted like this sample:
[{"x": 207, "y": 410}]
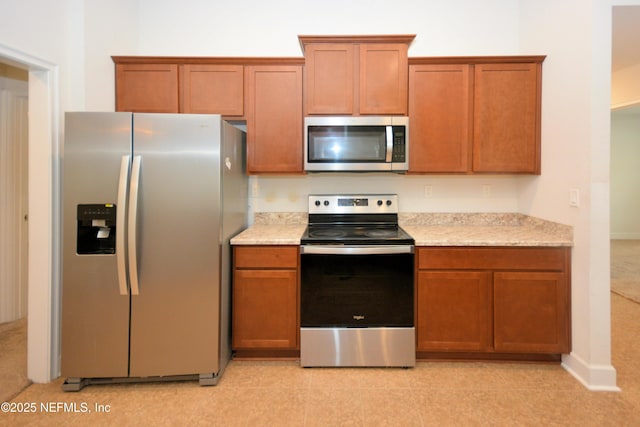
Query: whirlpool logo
[{"x": 358, "y": 317}]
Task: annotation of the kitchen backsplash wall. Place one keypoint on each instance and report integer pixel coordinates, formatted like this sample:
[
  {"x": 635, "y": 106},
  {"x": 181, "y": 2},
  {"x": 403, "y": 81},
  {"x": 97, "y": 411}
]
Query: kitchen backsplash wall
[{"x": 416, "y": 193}]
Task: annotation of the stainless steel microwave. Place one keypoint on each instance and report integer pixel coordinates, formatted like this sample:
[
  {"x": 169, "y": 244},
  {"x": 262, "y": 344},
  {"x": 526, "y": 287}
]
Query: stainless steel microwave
[{"x": 356, "y": 144}]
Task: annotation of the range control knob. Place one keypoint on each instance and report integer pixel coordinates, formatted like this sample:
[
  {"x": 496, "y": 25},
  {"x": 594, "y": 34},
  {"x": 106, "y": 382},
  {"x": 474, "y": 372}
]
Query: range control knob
[
  {"x": 379, "y": 202},
  {"x": 326, "y": 203},
  {"x": 388, "y": 202},
  {"x": 317, "y": 203}
]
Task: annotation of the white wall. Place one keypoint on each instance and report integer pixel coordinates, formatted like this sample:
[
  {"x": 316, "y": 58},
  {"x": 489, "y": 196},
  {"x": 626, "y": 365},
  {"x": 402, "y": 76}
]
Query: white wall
[
  {"x": 251, "y": 27},
  {"x": 78, "y": 36},
  {"x": 625, "y": 175},
  {"x": 449, "y": 193},
  {"x": 110, "y": 29},
  {"x": 575, "y": 128}
]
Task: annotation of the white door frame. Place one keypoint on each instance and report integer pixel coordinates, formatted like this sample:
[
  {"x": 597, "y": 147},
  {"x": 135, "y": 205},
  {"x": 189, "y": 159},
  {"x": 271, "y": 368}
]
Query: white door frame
[{"x": 43, "y": 358}]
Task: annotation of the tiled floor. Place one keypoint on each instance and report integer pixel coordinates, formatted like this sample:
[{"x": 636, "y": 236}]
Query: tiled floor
[{"x": 433, "y": 393}]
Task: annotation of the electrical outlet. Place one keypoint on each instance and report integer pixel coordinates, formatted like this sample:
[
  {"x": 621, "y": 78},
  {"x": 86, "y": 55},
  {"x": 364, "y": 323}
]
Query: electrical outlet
[
  {"x": 255, "y": 189},
  {"x": 486, "y": 190},
  {"x": 428, "y": 191}
]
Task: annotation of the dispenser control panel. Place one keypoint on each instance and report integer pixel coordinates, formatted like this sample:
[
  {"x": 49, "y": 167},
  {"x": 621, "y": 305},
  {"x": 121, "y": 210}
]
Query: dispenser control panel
[{"x": 96, "y": 229}]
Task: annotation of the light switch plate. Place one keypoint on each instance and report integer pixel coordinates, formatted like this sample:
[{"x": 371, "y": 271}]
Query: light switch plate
[{"x": 574, "y": 197}]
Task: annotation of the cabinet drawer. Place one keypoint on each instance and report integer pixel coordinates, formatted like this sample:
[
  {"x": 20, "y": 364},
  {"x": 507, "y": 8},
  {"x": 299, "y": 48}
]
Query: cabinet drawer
[
  {"x": 520, "y": 258},
  {"x": 266, "y": 256}
]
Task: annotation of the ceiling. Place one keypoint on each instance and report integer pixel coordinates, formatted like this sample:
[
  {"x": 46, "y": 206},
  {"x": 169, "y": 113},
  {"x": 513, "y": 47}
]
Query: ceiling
[{"x": 626, "y": 37}]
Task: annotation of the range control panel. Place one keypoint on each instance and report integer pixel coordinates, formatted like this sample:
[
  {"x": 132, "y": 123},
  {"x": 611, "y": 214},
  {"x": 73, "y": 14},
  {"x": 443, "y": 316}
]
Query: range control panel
[{"x": 352, "y": 203}]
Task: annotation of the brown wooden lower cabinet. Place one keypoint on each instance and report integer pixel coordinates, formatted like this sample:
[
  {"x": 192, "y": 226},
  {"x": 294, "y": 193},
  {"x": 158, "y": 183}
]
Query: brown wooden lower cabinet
[
  {"x": 493, "y": 302},
  {"x": 453, "y": 311},
  {"x": 265, "y": 300},
  {"x": 471, "y": 303},
  {"x": 530, "y": 312}
]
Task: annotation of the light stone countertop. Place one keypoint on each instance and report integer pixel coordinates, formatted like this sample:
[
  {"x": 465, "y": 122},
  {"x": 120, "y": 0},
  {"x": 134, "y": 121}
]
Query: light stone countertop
[
  {"x": 428, "y": 229},
  {"x": 480, "y": 229},
  {"x": 270, "y": 234},
  {"x": 278, "y": 228}
]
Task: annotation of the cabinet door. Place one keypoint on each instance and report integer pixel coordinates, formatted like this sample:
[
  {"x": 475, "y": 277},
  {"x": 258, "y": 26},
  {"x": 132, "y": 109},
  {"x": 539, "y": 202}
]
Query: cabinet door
[
  {"x": 454, "y": 311},
  {"x": 151, "y": 88},
  {"x": 274, "y": 118},
  {"x": 329, "y": 76},
  {"x": 215, "y": 89},
  {"x": 439, "y": 118},
  {"x": 383, "y": 79},
  {"x": 506, "y": 136},
  {"x": 531, "y": 312},
  {"x": 265, "y": 309}
]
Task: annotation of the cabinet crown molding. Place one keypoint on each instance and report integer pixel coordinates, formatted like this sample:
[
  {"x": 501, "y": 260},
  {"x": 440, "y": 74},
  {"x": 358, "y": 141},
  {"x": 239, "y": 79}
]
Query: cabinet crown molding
[
  {"x": 218, "y": 60},
  {"x": 475, "y": 59},
  {"x": 381, "y": 38}
]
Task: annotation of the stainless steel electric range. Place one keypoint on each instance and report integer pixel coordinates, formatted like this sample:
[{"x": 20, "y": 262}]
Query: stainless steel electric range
[{"x": 357, "y": 275}]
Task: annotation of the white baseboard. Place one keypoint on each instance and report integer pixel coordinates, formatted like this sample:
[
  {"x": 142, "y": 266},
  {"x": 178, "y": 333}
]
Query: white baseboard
[
  {"x": 593, "y": 377},
  {"x": 625, "y": 236}
]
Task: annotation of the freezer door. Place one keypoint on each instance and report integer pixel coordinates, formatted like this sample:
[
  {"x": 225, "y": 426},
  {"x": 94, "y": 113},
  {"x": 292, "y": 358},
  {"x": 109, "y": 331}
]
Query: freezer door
[
  {"x": 95, "y": 315},
  {"x": 175, "y": 315}
]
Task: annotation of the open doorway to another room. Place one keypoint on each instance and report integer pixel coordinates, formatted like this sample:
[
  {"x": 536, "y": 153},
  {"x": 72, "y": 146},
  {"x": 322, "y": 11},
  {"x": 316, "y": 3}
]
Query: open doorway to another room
[
  {"x": 13, "y": 228},
  {"x": 625, "y": 152}
]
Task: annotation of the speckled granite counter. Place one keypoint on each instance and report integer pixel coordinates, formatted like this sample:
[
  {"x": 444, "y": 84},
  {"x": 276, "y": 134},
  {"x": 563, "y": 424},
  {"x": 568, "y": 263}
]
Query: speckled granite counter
[
  {"x": 280, "y": 228},
  {"x": 428, "y": 229},
  {"x": 484, "y": 229}
]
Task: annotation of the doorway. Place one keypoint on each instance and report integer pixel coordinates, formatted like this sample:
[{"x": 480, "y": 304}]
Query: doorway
[
  {"x": 43, "y": 294},
  {"x": 13, "y": 192},
  {"x": 625, "y": 152},
  {"x": 13, "y": 229}
]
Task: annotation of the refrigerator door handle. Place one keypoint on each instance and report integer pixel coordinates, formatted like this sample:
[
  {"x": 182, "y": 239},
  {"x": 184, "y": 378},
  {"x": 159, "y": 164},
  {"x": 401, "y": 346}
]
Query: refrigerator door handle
[
  {"x": 132, "y": 225},
  {"x": 121, "y": 217}
]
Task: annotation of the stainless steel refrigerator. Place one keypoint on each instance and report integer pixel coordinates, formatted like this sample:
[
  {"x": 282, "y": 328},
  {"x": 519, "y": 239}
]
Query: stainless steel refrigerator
[{"x": 150, "y": 203}]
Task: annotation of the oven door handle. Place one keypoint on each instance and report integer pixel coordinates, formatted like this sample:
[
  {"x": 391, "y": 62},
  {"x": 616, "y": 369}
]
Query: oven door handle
[{"x": 356, "y": 250}]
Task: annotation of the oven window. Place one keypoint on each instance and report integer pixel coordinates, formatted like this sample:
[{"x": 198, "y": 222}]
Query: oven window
[
  {"x": 356, "y": 290},
  {"x": 350, "y": 144}
]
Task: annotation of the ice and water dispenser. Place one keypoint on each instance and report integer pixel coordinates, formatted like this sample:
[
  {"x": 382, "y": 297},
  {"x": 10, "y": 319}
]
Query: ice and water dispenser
[{"x": 96, "y": 229}]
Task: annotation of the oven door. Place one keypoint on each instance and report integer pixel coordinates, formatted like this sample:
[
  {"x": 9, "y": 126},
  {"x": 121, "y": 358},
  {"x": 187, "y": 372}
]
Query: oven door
[
  {"x": 357, "y": 306},
  {"x": 356, "y": 286}
]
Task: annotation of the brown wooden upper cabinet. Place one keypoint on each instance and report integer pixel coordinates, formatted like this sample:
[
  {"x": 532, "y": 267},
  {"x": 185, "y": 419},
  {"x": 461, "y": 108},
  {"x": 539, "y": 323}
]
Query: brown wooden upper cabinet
[
  {"x": 147, "y": 87},
  {"x": 440, "y": 111},
  {"x": 212, "y": 88},
  {"x": 180, "y": 85},
  {"x": 506, "y": 117},
  {"x": 274, "y": 118},
  {"x": 356, "y": 75},
  {"x": 475, "y": 114}
]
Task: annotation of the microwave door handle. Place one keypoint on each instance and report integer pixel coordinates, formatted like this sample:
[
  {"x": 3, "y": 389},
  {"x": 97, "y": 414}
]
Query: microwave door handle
[{"x": 389, "y": 138}]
